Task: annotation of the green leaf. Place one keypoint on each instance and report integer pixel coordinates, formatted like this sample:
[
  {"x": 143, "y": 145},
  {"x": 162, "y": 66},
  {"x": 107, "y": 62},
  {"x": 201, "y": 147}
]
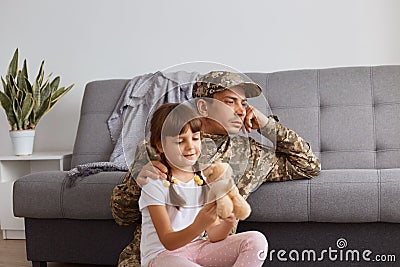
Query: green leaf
[
  {"x": 46, "y": 93},
  {"x": 11, "y": 118},
  {"x": 18, "y": 114},
  {"x": 40, "y": 75},
  {"x": 45, "y": 83},
  {"x": 36, "y": 95},
  {"x": 13, "y": 87},
  {"x": 5, "y": 101},
  {"x": 8, "y": 83},
  {"x": 28, "y": 86},
  {"x": 21, "y": 81},
  {"x": 13, "y": 67},
  {"x": 4, "y": 85},
  {"x": 43, "y": 109},
  {"x": 32, "y": 117},
  {"x": 19, "y": 94},
  {"x": 60, "y": 93},
  {"x": 27, "y": 107},
  {"x": 25, "y": 69},
  {"x": 54, "y": 84},
  {"x": 7, "y": 89}
]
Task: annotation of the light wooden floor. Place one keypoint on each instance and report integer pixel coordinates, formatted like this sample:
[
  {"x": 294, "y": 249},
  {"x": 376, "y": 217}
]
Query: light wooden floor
[{"x": 12, "y": 254}]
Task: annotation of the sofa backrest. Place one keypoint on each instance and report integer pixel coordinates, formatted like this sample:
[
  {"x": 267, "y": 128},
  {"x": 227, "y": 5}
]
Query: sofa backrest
[
  {"x": 350, "y": 115},
  {"x": 93, "y": 141}
]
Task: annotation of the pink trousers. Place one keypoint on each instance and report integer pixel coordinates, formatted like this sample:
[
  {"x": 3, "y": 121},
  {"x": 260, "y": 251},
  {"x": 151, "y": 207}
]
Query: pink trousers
[{"x": 242, "y": 249}]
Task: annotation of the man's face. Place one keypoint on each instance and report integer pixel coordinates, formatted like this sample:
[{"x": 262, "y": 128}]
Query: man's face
[{"x": 228, "y": 109}]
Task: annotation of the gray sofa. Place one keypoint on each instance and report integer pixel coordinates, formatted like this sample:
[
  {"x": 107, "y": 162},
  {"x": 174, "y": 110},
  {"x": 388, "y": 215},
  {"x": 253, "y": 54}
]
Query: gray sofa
[{"x": 350, "y": 116}]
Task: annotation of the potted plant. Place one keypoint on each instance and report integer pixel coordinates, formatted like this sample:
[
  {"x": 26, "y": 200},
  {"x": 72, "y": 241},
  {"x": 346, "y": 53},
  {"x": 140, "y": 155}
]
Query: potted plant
[{"x": 26, "y": 102}]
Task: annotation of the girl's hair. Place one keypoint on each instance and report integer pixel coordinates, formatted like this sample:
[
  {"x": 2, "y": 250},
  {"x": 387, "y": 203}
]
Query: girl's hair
[{"x": 163, "y": 123}]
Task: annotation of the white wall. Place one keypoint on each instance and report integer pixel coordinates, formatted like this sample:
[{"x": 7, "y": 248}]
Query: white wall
[{"x": 99, "y": 39}]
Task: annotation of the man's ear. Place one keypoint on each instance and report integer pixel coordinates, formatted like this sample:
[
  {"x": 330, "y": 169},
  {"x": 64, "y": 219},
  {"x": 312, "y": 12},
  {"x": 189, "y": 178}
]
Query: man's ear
[{"x": 202, "y": 107}]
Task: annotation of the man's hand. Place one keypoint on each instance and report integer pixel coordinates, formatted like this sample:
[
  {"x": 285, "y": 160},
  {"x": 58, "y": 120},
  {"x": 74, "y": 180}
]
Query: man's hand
[
  {"x": 253, "y": 120},
  {"x": 154, "y": 170}
]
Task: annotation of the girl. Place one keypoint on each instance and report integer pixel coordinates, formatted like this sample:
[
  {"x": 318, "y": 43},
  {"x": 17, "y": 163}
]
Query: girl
[{"x": 175, "y": 216}]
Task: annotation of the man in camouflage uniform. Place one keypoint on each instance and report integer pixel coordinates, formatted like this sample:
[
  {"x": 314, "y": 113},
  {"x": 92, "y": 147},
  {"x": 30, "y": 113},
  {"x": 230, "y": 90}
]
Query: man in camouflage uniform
[{"x": 253, "y": 163}]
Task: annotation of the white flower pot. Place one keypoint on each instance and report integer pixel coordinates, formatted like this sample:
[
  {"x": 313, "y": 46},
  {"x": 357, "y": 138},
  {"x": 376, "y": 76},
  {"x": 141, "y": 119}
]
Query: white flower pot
[{"x": 22, "y": 142}]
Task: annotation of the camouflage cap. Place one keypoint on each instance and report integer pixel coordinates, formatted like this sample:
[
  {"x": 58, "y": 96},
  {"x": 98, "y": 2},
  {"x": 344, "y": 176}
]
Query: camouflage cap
[{"x": 217, "y": 81}]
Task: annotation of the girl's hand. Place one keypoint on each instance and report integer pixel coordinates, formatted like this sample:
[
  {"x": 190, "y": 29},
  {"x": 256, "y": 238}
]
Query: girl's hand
[
  {"x": 229, "y": 221},
  {"x": 207, "y": 215},
  {"x": 221, "y": 229}
]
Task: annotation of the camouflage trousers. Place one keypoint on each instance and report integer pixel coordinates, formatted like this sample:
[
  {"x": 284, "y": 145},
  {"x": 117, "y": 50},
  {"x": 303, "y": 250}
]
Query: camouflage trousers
[{"x": 130, "y": 256}]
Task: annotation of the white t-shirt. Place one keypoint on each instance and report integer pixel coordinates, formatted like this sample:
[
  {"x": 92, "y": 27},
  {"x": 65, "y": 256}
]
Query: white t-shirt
[{"x": 155, "y": 193}]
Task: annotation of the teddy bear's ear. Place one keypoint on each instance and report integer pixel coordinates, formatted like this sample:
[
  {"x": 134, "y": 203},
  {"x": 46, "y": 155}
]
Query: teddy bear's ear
[
  {"x": 224, "y": 166},
  {"x": 209, "y": 170}
]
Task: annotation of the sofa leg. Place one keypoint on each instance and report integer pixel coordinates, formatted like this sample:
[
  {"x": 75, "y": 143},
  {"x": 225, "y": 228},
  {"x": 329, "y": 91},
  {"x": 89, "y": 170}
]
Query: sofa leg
[{"x": 39, "y": 264}]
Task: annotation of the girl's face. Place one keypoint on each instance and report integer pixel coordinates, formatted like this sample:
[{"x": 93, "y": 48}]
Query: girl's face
[{"x": 182, "y": 151}]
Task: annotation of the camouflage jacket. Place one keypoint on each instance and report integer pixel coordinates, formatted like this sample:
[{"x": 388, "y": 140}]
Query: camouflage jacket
[{"x": 253, "y": 163}]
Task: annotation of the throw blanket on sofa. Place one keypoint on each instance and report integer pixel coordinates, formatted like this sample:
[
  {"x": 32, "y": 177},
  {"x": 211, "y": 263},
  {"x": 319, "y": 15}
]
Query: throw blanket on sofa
[
  {"x": 127, "y": 122},
  {"x": 142, "y": 95},
  {"x": 87, "y": 169}
]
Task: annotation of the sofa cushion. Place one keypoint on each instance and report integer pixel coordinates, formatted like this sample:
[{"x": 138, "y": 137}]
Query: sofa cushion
[
  {"x": 354, "y": 195},
  {"x": 339, "y": 196},
  {"x": 280, "y": 202},
  {"x": 45, "y": 195},
  {"x": 389, "y": 195},
  {"x": 345, "y": 196}
]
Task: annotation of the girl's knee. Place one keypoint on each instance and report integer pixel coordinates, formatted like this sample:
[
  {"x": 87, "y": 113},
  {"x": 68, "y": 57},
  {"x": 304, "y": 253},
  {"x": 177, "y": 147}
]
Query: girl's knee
[{"x": 257, "y": 239}]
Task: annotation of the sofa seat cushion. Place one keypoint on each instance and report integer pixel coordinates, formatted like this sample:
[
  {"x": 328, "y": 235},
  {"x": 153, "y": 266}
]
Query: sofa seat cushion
[
  {"x": 45, "y": 195},
  {"x": 389, "y": 198},
  {"x": 337, "y": 196}
]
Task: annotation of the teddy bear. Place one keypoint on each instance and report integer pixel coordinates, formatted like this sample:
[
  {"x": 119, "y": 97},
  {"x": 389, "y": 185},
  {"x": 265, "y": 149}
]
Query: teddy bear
[{"x": 224, "y": 191}]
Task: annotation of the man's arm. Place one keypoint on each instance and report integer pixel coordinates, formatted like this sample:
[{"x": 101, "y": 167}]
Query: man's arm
[
  {"x": 125, "y": 196},
  {"x": 124, "y": 201},
  {"x": 294, "y": 156}
]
